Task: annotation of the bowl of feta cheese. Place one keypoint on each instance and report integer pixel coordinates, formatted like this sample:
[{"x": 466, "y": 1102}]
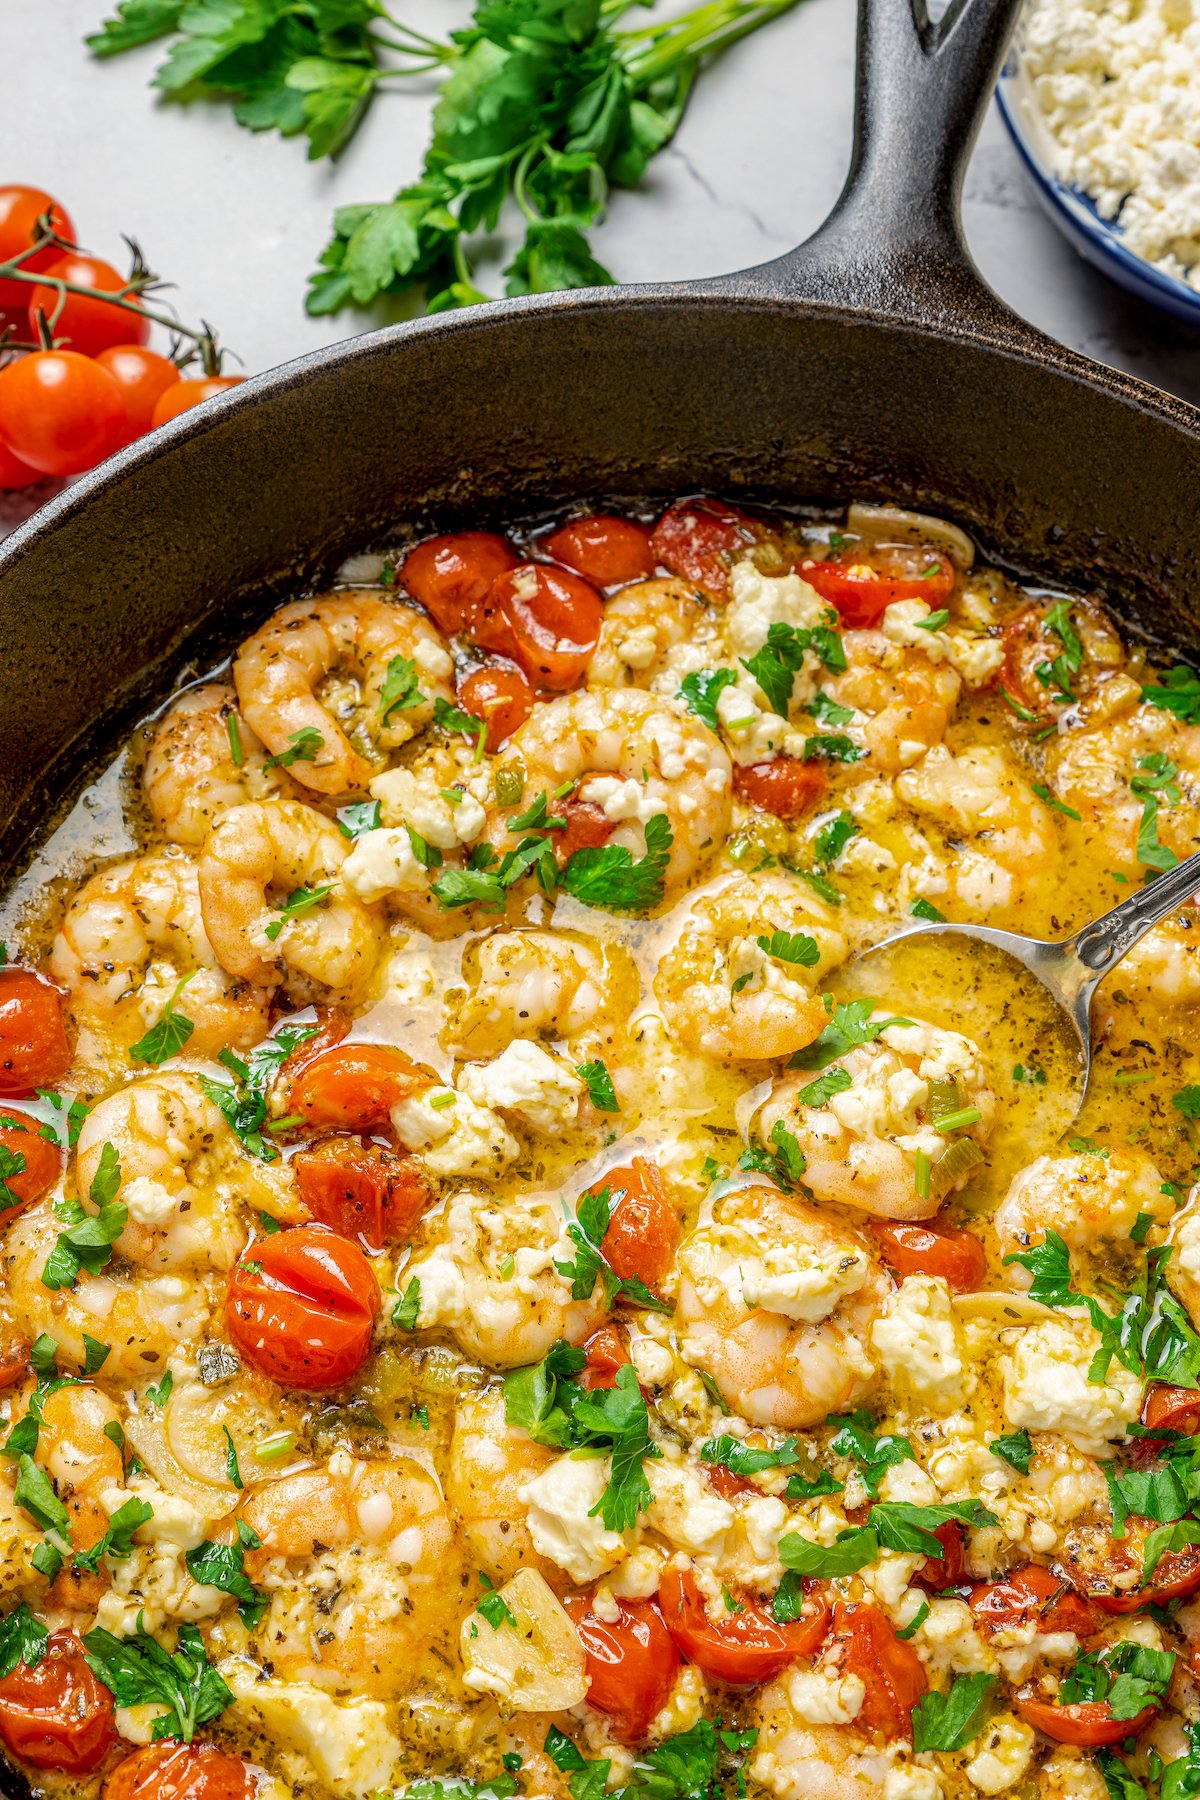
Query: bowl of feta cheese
[{"x": 1102, "y": 100}]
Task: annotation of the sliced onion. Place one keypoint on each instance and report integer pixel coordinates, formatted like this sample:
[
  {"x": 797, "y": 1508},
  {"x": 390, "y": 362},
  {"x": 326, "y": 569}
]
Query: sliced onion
[
  {"x": 894, "y": 525},
  {"x": 954, "y": 1162},
  {"x": 534, "y": 1665}
]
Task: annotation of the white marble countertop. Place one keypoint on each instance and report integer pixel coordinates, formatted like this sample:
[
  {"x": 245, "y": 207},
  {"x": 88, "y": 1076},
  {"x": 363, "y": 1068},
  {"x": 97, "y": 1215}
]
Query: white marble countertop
[{"x": 236, "y": 221}]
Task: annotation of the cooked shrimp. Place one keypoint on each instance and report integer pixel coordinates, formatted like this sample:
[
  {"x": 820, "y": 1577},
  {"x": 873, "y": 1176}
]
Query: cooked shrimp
[
  {"x": 83, "y": 1464},
  {"x": 204, "y": 759},
  {"x": 183, "y": 1175},
  {"x": 1093, "y": 772},
  {"x": 371, "y": 1605},
  {"x": 634, "y": 756},
  {"x": 1088, "y": 1200},
  {"x": 488, "y": 1276},
  {"x": 796, "y": 1760},
  {"x": 906, "y": 698},
  {"x": 257, "y": 862},
  {"x": 995, "y": 829},
  {"x": 130, "y": 936},
  {"x": 641, "y": 624},
  {"x": 538, "y": 984},
  {"x": 861, "y": 1144},
  {"x": 321, "y": 666},
  {"x": 724, "y": 993},
  {"x": 1154, "y": 994},
  {"x": 490, "y": 1461},
  {"x": 776, "y": 1301}
]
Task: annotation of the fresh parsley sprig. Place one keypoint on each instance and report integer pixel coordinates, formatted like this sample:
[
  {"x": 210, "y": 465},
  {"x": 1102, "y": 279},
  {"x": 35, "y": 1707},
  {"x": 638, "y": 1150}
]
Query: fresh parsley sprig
[
  {"x": 851, "y": 1024},
  {"x": 587, "y": 1230},
  {"x": 243, "y": 1102},
  {"x": 550, "y": 1405},
  {"x": 87, "y": 1243},
  {"x": 138, "y": 1672}
]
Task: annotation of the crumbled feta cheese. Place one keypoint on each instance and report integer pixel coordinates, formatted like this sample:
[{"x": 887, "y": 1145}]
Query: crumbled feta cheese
[
  {"x": 686, "y": 1511},
  {"x": 912, "y": 1783},
  {"x": 759, "y": 601},
  {"x": 622, "y": 799},
  {"x": 687, "y": 1705},
  {"x": 948, "y": 1642},
  {"x": 347, "y": 1742},
  {"x": 382, "y": 863},
  {"x": 1005, "y": 1752},
  {"x": 825, "y": 1698},
  {"x": 917, "y": 1339},
  {"x": 1046, "y": 1387},
  {"x": 562, "y": 1519},
  {"x": 408, "y": 797},
  {"x": 455, "y": 1138},
  {"x": 540, "y": 1090}
]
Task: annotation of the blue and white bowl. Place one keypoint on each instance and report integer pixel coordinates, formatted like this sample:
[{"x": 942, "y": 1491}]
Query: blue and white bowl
[{"x": 1101, "y": 241}]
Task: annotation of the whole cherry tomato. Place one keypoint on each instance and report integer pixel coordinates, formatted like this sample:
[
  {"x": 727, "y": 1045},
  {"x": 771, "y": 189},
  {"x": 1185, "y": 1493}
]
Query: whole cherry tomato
[
  {"x": 353, "y": 1087},
  {"x": 362, "y": 1190},
  {"x": 34, "y": 1051},
  {"x": 1032, "y": 1596},
  {"x": 606, "y": 1353},
  {"x": 13, "y": 472},
  {"x": 643, "y": 1229},
  {"x": 949, "y": 1570},
  {"x": 588, "y": 826},
  {"x": 631, "y": 1663},
  {"x": 301, "y": 1308},
  {"x": 501, "y": 697},
  {"x": 1088, "y": 1722},
  {"x": 545, "y": 619},
  {"x": 189, "y": 392},
  {"x": 60, "y": 412},
  {"x": 701, "y": 540},
  {"x": 604, "y": 550},
  {"x": 1169, "y": 1409},
  {"x": 865, "y": 1645},
  {"x": 170, "y": 1771},
  {"x": 20, "y": 210},
  {"x": 143, "y": 376},
  {"x": 88, "y": 326},
  {"x": 927, "y": 1248},
  {"x": 746, "y": 1647},
  {"x": 867, "y": 578},
  {"x": 36, "y": 1163},
  {"x": 450, "y": 576},
  {"x": 57, "y": 1716},
  {"x": 783, "y": 785}
]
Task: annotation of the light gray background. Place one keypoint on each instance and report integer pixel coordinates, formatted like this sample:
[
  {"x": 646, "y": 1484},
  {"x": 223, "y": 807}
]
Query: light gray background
[{"x": 236, "y": 221}]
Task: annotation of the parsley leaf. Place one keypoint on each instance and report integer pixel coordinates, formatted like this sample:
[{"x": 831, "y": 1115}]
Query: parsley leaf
[
  {"x": 743, "y": 1459},
  {"x": 791, "y": 947},
  {"x": 599, "y": 1084},
  {"x": 1179, "y": 693},
  {"x": 833, "y": 836},
  {"x": 784, "y": 1162},
  {"x": 822, "y": 747},
  {"x": 88, "y": 1241},
  {"x": 1015, "y": 1448},
  {"x": 401, "y": 688},
  {"x": 608, "y": 876},
  {"x": 23, "y": 1639},
  {"x": 851, "y": 1025},
  {"x": 223, "y": 1566},
  {"x": 168, "y": 1036},
  {"x": 300, "y": 901},
  {"x": 587, "y": 1232},
  {"x": 244, "y": 1103},
  {"x": 407, "y": 1309},
  {"x": 139, "y": 1672},
  {"x": 701, "y": 690},
  {"x": 494, "y": 1607},
  {"x": 822, "y": 1090},
  {"x": 303, "y": 746},
  {"x": 949, "y": 1721},
  {"x": 855, "y": 1438},
  {"x": 356, "y": 820}
]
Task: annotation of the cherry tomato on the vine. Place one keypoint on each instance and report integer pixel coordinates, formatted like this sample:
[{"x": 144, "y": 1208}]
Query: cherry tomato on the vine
[
  {"x": 171, "y": 1771},
  {"x": 143, "y": 376},
  {"x": 450, "y": 576},
  {"x": 362, "y": 1190},
  {"x": 545, "y": 619},
  {"x": 926, "y": 1248},
  {"x": 36, "y": 1162},
  {"x": 782, "y": 785},
  {"x": 501, "y": 697},
  {"x": 57, "y": 1716},
  {"x": 353, "y": 1087},
  {"x": 86, "y": 325},
  {"x": 20, "y": 210},
  {"x": 745, "y": 1647},
  {"x": 604, "y": 550},
  {"x": 13, "y": 472},
  {"x": 631, "y": 1663},
  {"x": 60, "y": 412},
  {"x": 864, "y": 1644},
  {"x": 34, "y": 1051},
  {"x": 643, "y": 1228},
  {"x": 867, "y": 578},
  {"x": 302, "y": 1306},
  {"x": 189, "y": 392}
]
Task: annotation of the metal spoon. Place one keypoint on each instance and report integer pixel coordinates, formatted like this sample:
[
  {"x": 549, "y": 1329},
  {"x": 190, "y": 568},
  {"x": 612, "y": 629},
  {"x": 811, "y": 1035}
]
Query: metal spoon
[{"x": 1071, "y": 969}]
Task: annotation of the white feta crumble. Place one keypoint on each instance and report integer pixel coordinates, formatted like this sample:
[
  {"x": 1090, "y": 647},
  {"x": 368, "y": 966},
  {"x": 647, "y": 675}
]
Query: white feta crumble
[
  {"x": 1046, "y": 1387},
  {"x": 912, "y": 1783},
  {"x": 1004, "y": 1754},
  {"x": 562, "y": 1520},
  {"x": 686, "y": 1511},
  {"x": 620, "y": 799},
  {"x": 347, "y": 1742},
  {"x": 382, "y": 863},
  {"x": 825, "y": 1698},
  {"x": 759, "y": 601},
  {"x": 454, "y": 1134},
  {"x": 409, "y": 798},
  {"x": 538, "y": 1089},
  {"x": 917, "y": 1340}
]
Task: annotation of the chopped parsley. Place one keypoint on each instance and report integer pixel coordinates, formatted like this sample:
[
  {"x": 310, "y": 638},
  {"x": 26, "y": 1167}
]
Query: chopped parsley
[
  {"x": 891, "y": 1525},
  {"x": 23, "y": 1639},
  {"x": 741, "y": 1458},
  {"x": 855, "y": 1438},
  {"x": 851, "y": 1024},
  {"x": 827, "y": 712},
  {"x": 608, "y": 876},
  {"x": 1154, "y": 784},
  {"x": 87, "y": 1243},
  {"x": 223, "y": 1566},
  {"x": 599, "y": 1084},
  {"x": 1048, "y": 799},
  {"x": 949, "y": 1721},
  {"x": 401, "y": 688},
  {"x": 408, "y": 1307},
  {"x": 300, "y": 901},
  {"x": 244, "y": 1102},
  {"x": 791, "y": 947},
  {"x": 587, "y": 1230},
  {"x": 1126, "y": 1675},
  {"x": 303, "y": 746},
  {"x": 138, "y": 1672},
  {"x": 701, "y": 690},
  {"x": 925, "y": 909},
  {"x": 1015, "y": 1448},
  {"x": 824, "y": 747},
  {"x": 493, "y": 1607},
  {"x": 784, "y": 1162},
  {"x": 356, "y": 820},
  {"x": 549, "y": 1403},
  {"x": 1178, "y": 693},
  {"x": 169, "y": 1035},
  {"x": 833, "y": 836},
  {"x": 821, "y": 1091}
]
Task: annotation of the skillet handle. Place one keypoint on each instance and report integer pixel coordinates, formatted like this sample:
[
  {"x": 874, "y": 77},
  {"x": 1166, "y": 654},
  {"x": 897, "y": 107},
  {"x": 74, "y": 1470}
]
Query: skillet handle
[{"x": 894, "y": 240}]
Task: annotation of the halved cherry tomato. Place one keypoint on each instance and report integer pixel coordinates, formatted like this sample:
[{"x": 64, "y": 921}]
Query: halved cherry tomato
[
  {"x": 451, "y": 576},
  {"x": 644, "y": 1227},
  {"x": 34, "y": 1051},
  {"x": 180, "y": 1772},
  {"x": 891, "y": 1671},
  {"x": 746, "y": 1647},
  {"x": 60, "y": 412},
  {"x": 57, "y": 1716},
  {"x": 936, "y": 1574},
  {"x": 42, "y": 1163},
  {"x": 302, "y": 1306},
  {"x": 783, "y": 785},
  {"x": 1032, "y": 1596},
  {"x": 701, "y": 539},
  {"x": 331, "y": 1027},
  {"x": 1100, "y": 1566},
  {"x": 354, "y": 1087},
  {"x": 588, "y": 826},
  {"x": 723, "y": 1481},
  {"x": 188, "y": 393},
  {"x": 867, "y": 578},
  {"x": 1170, "y": 1409},
  {"x": 1088, "y": 1722},
  {"x": 604, "y": 550},
  {"x": 545, "y": 619},
  {"x": 14, "y": 473},
  {"x": 20, "y": 210},
  {"x": 88, "y": 326},
  {"x": 143, "y": 376},
  {"x": 631, "y": 1664},
  {"x": 502, "y": 698},
  {"x": 606, "y": 1353},
  {"x": 926, "y": 1248},
  {"x": 362, "y": 1190}
]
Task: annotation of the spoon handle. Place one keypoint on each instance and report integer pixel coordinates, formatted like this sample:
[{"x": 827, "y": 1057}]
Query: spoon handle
[{"x": 1104, "y": 942}]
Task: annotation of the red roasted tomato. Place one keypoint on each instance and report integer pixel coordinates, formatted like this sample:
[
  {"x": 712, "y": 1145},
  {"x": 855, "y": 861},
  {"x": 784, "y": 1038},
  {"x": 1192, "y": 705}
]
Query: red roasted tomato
[
  {"x": 301, "y": 1308},
  {"x": 631, "y": 1663},
  {"x": 644, "y": 1227},
  {"x": 864, "y": 1644},
  {"x": 353, "y": 1087},
  {"x": 362, "y": 1190},
  {"x": 57, "y": 1716},
  {"x": 34, "y": 1051},
  {"x": 545, "y": 619},
  {"x": 783, "y": 785},
  {"x": 171, "y": 1771},
  {"x": 927, "y": 1248},
  {"x": 746, "y": 1647},
  {"x": 36, "y": 1163},
  {"x": 864, "y": 581},
  {"x": 501, "y": 697},
  {"x": 701, "y": 540},
  {"x": 606, "y": 551},
  {"x": 450, "y": 576}
]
